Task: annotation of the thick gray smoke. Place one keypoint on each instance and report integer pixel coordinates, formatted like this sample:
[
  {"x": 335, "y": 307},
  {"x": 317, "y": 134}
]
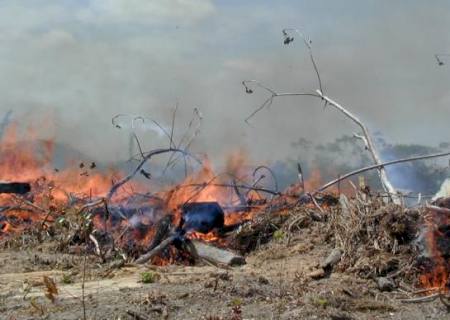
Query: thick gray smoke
[{"x": 70, "y": 66}]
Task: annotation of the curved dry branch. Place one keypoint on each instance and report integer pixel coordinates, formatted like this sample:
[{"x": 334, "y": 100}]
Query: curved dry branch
[
  {"x": 134, "y": 119},
  {"x": 377, "y": 166},
  {"x": 147, "y": 157},
  {"x": 274, "y": 178}
]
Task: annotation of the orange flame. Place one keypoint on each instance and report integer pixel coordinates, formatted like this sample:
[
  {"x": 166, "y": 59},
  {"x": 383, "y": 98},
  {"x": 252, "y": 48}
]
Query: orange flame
[{"x": 438, "y": 276}]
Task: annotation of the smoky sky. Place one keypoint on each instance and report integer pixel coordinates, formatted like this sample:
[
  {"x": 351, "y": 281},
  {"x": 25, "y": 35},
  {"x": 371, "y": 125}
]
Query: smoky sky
[{"x": 68, "y": 67}]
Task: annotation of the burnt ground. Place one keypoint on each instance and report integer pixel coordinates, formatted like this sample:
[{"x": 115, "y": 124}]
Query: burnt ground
[{"x": 274, "y": 284}]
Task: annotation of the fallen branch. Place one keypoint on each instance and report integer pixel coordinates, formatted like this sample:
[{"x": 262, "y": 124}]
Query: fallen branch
[
  {"x": 90, "y": 205},
  {"x": 333, "y": 258},
  {"x": 29, "y": 203},
  {"x": 313, "y": 199},
  {"x": 438, "y": 209},
  {"x": 156, "y": 250},
  {"x": 216, "y": 255},
  {"x": 97, "y": 246},
  {"x": 137, "y": 316},
  {"x": 445, "y": 300},
  {"x": 429, "y": 298}
]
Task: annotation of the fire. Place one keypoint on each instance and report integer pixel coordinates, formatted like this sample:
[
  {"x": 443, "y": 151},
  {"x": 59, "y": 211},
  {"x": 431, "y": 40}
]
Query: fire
[
  {"x": 53, "y": 188},
  {"x": 437, "y": 242},
  {"x": 55, "y": 191},
  {"x": 206, "y": 186}
]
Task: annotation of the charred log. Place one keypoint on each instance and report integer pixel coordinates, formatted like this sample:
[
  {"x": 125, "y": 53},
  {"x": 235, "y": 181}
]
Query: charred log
[
  {"x": 201, "y": 217},
  {"x": 15, "y": 187}
]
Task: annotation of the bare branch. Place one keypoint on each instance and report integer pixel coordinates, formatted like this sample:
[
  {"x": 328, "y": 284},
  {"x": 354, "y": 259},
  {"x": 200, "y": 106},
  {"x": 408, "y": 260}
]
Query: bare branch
[
  {"x": 173, "y": 125},
  {"x": 241, "y": 186},
  {"x": 242, "y": 199},
  {"x": 307, "y": 41},
  {"x": 376, "y": 166},
  {"x": 274, "y": 178},
  {"x": 370, "y": 146},
  {"x": 364, "y": 140},
  {"x": 249, "y": 84},
  {"x": 138, "y": 144},
  {"x": 155, "y": 152},
  {"x": 185, "y": 140},
  {"x": 134, "y": 119}
]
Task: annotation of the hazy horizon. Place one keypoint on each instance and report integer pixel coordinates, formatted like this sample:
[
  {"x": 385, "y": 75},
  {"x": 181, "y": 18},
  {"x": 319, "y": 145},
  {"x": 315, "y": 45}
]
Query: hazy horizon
[{"x": 70, "y": 66}]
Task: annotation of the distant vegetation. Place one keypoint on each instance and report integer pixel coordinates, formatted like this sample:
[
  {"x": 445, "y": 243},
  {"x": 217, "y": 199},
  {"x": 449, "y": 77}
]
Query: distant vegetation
[{"x": 346, "y": 153}]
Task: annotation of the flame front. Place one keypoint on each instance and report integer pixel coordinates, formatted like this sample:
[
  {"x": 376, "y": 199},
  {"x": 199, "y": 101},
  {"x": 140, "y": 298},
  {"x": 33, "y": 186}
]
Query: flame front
[{"x": 436, "y": 243}]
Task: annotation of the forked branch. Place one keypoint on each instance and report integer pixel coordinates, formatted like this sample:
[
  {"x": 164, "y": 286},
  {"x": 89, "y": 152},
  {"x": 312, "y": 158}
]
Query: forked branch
[
  {"x": 147, "y": 157},
  {"x": 369, "y": 145}
]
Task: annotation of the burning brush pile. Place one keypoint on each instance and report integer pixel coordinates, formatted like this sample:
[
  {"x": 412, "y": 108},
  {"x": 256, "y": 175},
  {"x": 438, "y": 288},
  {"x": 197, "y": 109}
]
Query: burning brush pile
[
  {"x": 88, "y": 213},
  {"x": 218, "y": 219}
]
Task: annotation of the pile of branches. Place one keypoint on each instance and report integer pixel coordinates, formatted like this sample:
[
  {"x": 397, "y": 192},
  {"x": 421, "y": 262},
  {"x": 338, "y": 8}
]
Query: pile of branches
[{"x": 376, "y": 239}]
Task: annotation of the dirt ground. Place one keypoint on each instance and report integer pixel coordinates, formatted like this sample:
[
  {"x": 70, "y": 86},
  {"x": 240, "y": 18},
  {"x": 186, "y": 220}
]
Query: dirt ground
[{"x": 274, "y": 284}]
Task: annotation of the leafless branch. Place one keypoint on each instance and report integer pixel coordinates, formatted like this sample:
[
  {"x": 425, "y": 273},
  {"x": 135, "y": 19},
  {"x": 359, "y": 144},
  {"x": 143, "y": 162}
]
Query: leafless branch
[
  {"x": 185, "y": 139},
  {"x": 273, "y": 94},
  {"x": 308, "y": 43},
  {"x": 274, "y": 178},
  {"x": 241, "y": 186},
  {"x": 173, "y": 124},
  {"x": 376, "y": 166},
  {"x": 156, "y": 250},
  {"x": 364, "y": 140},
  {"x": 422, "y": 299},
  {"x": 138, "y": 144},
  {"x": 147, "y": 157},
  {"x": 242, "y": 199},
  {"x": 370, "y": 146},
  {"x": 134, "y": 119}
]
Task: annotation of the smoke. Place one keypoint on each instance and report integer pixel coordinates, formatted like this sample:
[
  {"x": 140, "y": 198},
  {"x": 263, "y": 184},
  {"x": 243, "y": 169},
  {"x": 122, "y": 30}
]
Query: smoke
[
  {"x": 85, "y": 62},
  {"x": 444, "y": 191}
]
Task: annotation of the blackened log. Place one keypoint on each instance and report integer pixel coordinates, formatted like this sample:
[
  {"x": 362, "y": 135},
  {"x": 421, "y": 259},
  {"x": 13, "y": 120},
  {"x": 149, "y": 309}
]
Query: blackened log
[
  {"x": 15, "y": 187},
  {"x": 202, "y": 217}
]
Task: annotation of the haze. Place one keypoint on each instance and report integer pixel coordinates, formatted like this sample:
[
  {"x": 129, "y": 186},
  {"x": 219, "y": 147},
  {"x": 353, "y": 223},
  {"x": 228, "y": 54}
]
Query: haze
[{"x": 69, "y": 66}]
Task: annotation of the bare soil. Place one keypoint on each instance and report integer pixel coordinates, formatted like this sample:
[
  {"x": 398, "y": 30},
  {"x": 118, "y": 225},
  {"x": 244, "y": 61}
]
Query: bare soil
[{"x": 274, "y": 284}]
